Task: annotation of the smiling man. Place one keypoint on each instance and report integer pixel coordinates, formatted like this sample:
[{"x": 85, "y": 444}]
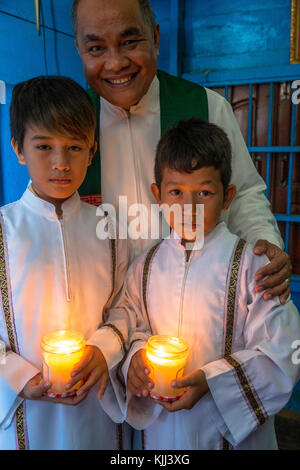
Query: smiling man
[{"x": 118, "y": 42}]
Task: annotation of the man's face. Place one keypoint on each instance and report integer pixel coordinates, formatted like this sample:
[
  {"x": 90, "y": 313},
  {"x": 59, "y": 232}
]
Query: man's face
[{"x": 117, "y": 49}]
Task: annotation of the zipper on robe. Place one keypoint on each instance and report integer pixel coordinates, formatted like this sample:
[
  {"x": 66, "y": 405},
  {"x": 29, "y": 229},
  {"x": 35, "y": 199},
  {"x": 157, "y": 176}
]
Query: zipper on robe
[
  {"x": 136, "y": 162},
  {"x": 66, "y": 259},
  {"x": 180, "y": 316},
  {"x": 138, "y": 178}
]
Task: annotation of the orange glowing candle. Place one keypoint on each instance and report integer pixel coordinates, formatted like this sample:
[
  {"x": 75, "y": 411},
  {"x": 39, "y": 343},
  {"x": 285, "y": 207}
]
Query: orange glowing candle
[
  {"x": 166, "y": 357},
  {"x": 61, "y": 351}
]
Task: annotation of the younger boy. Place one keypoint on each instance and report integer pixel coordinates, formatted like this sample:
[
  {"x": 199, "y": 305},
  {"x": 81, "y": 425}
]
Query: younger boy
[
  {"x": 55, "y": 274},
  {"x": 240, "y": 371}
]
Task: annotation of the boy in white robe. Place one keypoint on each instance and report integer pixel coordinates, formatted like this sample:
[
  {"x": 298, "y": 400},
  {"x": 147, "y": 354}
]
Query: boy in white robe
[
  {"x": 242, "y": 366},
  {"x": 55, "y": 274}
]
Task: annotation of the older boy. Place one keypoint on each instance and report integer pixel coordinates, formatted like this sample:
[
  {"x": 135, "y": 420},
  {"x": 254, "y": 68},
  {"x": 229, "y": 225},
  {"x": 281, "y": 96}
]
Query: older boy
[
  {"x": 240, "y": 371},
  {"x": 55, "y": 274}
]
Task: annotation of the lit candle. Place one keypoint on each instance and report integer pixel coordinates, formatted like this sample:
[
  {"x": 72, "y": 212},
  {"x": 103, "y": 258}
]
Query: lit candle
[
  {"x": 166, "y": 357},
  {"x": 61, "y": 351}
]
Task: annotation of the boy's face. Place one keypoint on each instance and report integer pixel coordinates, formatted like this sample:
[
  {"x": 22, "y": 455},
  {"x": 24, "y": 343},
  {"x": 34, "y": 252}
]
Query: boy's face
[
  {"x": 56, "y": 163},
  {"x": 203, "y": 186}
]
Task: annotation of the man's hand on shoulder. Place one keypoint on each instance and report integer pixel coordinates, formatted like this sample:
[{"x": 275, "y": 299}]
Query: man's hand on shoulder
[{"x": 277, "y": 272}]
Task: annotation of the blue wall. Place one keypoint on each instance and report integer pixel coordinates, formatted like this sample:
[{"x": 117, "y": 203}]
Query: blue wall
[
  {"x": 25, "y": 54},
  {"x": 236, "y": 39}
]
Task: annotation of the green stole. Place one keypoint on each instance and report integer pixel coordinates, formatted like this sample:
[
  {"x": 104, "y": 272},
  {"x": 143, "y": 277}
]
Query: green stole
[{"x": 179, "y": 99}]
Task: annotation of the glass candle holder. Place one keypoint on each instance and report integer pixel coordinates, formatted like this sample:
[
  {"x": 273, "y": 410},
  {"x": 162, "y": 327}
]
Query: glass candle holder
[
  {"x": 166, "y": 357},
  {"x": 61, "y": 351}
]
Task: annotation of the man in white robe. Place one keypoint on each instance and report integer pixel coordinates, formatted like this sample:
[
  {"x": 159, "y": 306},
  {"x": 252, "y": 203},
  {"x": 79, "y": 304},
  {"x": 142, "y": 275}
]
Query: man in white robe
[{"x": 118, "y": 43}]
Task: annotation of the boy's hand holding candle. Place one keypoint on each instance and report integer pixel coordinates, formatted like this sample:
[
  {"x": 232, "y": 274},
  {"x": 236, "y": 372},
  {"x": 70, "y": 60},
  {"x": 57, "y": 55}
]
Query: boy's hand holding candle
[
  {"x": 91, "y": 368},
  {"x": 196, "y": 388},
  {"x": 138, "y": 381},
  {"x": 36, "y": 387}
]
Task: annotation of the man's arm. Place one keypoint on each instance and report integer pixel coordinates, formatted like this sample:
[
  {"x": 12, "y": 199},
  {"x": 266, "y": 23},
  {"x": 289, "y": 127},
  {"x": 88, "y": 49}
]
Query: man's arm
[{"x": 249, "y": 215}]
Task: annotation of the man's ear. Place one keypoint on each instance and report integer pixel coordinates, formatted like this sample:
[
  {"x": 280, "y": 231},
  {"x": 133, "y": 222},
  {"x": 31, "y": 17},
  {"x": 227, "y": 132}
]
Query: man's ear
[
  {"x": 229, "y": 195},
  {"x": 157, "y": 38},
  {"x": 156, "y": 192},
  {"x": 16, "y": 150}
]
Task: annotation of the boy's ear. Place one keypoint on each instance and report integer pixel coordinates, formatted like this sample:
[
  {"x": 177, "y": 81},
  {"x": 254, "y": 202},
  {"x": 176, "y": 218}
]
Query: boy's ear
[
  {"x": 156, "y": 192},
  {"x": 76, "y": 45},
  {"x": 16, "y": 150},
  {"x": 229, "y": 195},
  {"x": 92, "y": 153}
]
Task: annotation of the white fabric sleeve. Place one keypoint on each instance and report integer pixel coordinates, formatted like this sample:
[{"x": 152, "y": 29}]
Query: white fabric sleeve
[
  {"x": 111, "y": 334},
  {"x": 131, "y": 321},
  {"x": 249, "y": 215},
  {"x": 256, "y": 382},
  {"x": 15, "y": 372}
]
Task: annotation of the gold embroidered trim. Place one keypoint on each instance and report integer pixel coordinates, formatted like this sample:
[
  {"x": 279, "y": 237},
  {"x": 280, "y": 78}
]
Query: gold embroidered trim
[
  {"x": 143, "y": 436},
  {"x": 5, "y": 296},
  {"x": 226, "y": 445},
  {"x": 120, "y": 436},
  {"x": 247, "y": 389},
  {"x": 20, "y": 428},
  {"x": 117, "y": 332},
  {"x": 20, "y": 412},
  {"x": 245, "y": 384},
  {"x": 232, "y": 295},
  {"x": 145, "y": 278}
]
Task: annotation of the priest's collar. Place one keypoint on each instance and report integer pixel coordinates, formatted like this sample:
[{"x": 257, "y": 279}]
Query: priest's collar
[
  {"x": 147, "y": 105},
  {"x": 46, "y": 209}
]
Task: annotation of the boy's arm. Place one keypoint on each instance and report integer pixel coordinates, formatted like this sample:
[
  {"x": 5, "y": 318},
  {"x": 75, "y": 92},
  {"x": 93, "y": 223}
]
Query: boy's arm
[
  {"x": 106, "y": 346},
  {"x": 128, "y": 310},
  {"x": 256, "y": 382},
  {"x": 15, "y": 372}
]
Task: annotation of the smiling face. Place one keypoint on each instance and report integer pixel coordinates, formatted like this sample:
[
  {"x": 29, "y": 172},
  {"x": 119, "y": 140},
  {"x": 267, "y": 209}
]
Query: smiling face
[
  {"x": 56, "y": 163},
  {"x": 118, "y": 49},
  {"x": 202, "y": 186}
]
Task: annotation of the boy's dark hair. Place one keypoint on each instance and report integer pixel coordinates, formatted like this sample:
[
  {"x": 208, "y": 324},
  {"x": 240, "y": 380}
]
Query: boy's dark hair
[
  {"x": 191, "y": 145},
  {"x": 57, "y": 104}
]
